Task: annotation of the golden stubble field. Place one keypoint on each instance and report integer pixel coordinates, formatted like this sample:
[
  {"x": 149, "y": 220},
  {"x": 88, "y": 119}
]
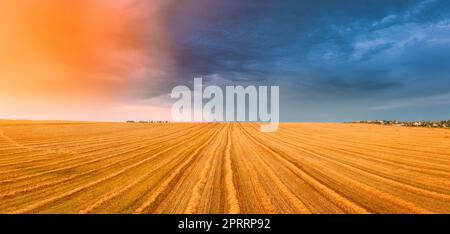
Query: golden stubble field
[{"x": 82, "y": 167}]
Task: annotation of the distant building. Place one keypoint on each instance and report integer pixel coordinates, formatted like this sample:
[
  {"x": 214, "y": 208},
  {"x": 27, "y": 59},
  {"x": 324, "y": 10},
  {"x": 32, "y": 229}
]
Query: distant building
[{"x": 429, "y": 124}]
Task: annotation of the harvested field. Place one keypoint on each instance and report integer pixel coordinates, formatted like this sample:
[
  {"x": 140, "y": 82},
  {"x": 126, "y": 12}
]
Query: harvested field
[{"x": 83, "y": 167}]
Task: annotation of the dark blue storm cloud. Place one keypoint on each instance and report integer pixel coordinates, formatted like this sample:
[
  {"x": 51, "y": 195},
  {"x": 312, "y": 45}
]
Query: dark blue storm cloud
[{"x": 334, "y": 60}]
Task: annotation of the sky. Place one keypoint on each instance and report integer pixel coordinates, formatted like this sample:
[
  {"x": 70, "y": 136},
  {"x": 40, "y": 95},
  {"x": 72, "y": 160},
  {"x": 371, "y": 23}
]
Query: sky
[{"x": 117, "y": 60}]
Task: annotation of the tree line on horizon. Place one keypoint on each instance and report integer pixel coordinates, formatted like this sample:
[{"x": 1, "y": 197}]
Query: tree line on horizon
[{"x": 431, "y": 124}]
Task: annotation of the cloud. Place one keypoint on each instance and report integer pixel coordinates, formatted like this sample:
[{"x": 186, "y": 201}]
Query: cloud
[
  {"x": 329, "y": 52},
  {"x": 434, "y": 100}
]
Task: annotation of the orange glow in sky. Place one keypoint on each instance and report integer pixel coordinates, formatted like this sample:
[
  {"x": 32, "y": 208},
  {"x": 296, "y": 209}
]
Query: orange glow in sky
[{"x": 57, "y": 56}]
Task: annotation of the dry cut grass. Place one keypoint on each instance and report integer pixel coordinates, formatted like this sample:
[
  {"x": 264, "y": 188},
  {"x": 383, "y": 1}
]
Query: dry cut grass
[{"x": 82, "y": 167}]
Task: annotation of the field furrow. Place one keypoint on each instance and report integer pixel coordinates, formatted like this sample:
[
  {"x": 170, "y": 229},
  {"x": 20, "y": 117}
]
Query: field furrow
[{"x": 87, "y": 167}]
